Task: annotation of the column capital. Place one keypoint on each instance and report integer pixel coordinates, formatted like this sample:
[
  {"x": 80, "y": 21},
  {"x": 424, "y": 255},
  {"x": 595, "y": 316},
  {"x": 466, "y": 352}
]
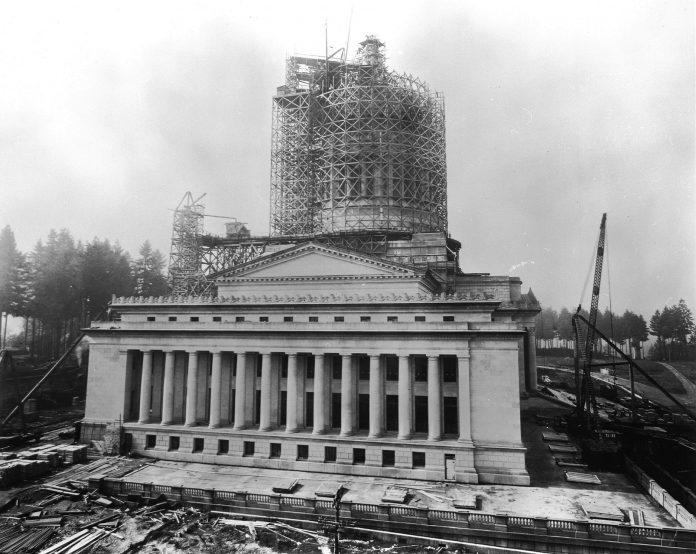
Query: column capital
[
  {"x": 407, "y": 356},
  {"x": 431, "y": 356},
  {"x": 345, "y": 354},
  {"x": 214, "y": 352},
  {"x": 319, "y": 355},
  {"x": 147, "y": 352},
  {"x": 373, "y": 356},
  {"x": 292, "y": 354},
  {"x": 463, "y": 356}
]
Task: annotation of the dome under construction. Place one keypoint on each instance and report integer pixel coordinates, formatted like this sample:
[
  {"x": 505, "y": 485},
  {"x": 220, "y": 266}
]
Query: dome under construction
[{"x": 356, "y": 148}]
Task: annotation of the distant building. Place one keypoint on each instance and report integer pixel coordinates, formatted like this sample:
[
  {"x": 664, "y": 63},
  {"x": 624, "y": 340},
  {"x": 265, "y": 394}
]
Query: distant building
[{"x": 352, "y": 343}]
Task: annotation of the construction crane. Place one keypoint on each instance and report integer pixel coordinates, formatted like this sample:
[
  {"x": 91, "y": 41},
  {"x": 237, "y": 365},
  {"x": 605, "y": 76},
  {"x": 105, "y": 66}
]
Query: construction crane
[{"x": 586, "y": 404}]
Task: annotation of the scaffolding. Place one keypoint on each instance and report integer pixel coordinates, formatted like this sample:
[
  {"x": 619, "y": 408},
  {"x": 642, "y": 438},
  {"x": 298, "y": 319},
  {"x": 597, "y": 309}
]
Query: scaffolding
[
  {"x": 185, "y": 274},
  {"x": 356, "y": 147}
]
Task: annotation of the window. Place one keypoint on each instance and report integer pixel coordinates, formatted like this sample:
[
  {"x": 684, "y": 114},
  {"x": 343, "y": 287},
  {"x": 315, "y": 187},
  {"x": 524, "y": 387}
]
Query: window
[
  {"x": 392, "y": 412},
  {"x": 392, "y": 368},
  {"x": 151, "y": 318},
  {"x": 387, "y": 458},
  {"x": 283, "y": 407},
  {"x": 275, "y": 450},
  {"x": 302, "y": 452},
  {"x": 257, "y": 408},
  {"x": 284, "y": 366},
  {"x": 358, "y": 456},
  {"x": 365, "y": 318},
  {"x": 364, "y": 368},
  {"x": 392, "y": 318},
  {"x": 335, "y": 410},
  {"x": 288, "y": 318},
  {"x": 263, "y": 319},
  {"x": 418, "y": 459},
  {"x": 447, "y": 318},
  {"x": 420, "y": 318},
  {"x": 336, "y": 367},
  {"x": 329, "y": 453},
  {"x": 150, "y": 441},
  {"x": 223, "y": 446},
  {"x": 313, "y": 319},
  {"x": 420, "y": 368},
  {"x": 309, "y": 374},
  {"x": 173, "y": 443},
  {"x": 420, "y": 412},
  {"x": 172, "y": 318},
  {"x": 309, "y": 409},
  {"x": 217, "y": 319},
  {"x": 198, "y": 444},
  {"x": 338, "y": 318},
  {"x": 239, "y": 318},
  {"x": 449, "y": 370},
  {"x": 194, "y": 318},
  {"x": 450, "y": 415},
  {"x": 248, "y": 448}
]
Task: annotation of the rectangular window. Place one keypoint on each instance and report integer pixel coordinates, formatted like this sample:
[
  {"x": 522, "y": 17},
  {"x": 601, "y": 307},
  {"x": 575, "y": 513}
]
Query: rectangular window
[
  {"x": 420, "y": 318},
  {"x": 358, "y": 456},
  {"x": 223, "y": 446},
  {"x": 392, "y": 318},
  {"x": 194, "y": 318},
  {"x": 309, "y": 409},
  {"x": 309, "y": 371},
  {"x": 257, "y": 408},
  {"x": 364, "y": 368},
  {"x": 447, "y": 318},
  {"x": 363, "y": 411},
  {"x": 288, "y": 318},
  {"x": 388, "y": 458},
  {"x": 365, "y": 318},
  {"x": 284, "y": 366},
  {"x": 336, "y": 367},
  {"x": 174, "y": 443},
  {"x": 392, "y": 368},
  {"x": 420, "y": 368},
  {"x": 450, "y": 415},
  {"x": 217, "y": 319},
  {"x": 418, "y": 459},
  {"x": 275, "y": 450},
  {"x": 198, "y": 444},
  {"x": 335, "y": 410},
  {"x": 172, "y": 318},
  {"x": 338, "y": 318},
  {"x": 420, "y": 409},
  {"x": 392, "y": 409},
  {"x": 150, "y": 441},
  {"x": 151, "y": 318},
  {"x": 302, "y": 452},
  {"x": 248, "y": 448},
  {"x": 239, "y": 318},
  {"x": 313, "y": 319},
  {"x": 449, "y": 370},
  {"x": 329, "y": 453},
  {"x": 263, "y": 319},
  {"x": 283, "y": 407}
]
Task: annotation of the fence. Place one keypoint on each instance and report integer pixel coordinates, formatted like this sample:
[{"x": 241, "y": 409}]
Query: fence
[{"x": 443, "y": 521}]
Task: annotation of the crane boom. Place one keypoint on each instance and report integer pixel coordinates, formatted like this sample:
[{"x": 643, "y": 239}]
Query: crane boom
[{"x": 584, "y": 343}]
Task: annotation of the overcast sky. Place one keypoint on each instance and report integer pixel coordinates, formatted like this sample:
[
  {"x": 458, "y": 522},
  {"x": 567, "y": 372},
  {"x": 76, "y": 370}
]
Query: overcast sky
[{"x": 556, "y": 112}]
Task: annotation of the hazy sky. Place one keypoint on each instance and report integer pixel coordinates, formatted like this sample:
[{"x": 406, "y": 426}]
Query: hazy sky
[{"x": 556, "y": 112}]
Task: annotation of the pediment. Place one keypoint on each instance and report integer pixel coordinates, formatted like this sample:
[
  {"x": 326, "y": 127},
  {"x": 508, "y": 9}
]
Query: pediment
[{"x": 311, "y": 260}]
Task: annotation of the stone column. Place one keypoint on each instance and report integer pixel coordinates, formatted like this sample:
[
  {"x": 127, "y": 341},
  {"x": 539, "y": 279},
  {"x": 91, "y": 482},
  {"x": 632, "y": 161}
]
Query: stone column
[
  {"x": 191, "y": 389},
  {"x": 531, "y": 376},
  {"x": 291, "y": 409},
  {"x": 376, "y": 398},
  {"x": 240, "y": 392},
  {"x": 347, "y": 396},
  {"x": 215, "y": 391},
  {"x": 434, "y": 399},
  {"x": 265, "y": 423},
  {"x": 464, "y": 398},
  {"x": 168, "y": 389},
  {"x": 405, "y": 399},
  {"x": 146, "y": 388},
  {"x": 320, "y": 404}
]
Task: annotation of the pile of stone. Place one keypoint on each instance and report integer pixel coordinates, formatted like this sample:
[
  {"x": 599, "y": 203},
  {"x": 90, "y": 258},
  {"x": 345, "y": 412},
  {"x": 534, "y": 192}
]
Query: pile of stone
[{"x": 35, "y": 462}]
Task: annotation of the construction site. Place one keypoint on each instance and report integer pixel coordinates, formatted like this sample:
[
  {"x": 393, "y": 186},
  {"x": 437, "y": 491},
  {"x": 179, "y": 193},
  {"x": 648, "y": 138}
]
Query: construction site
[{"x": 339, "y": 384}]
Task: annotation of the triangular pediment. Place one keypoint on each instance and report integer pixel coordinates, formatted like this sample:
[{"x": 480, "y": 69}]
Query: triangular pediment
[{"x": 315, "y": 260}]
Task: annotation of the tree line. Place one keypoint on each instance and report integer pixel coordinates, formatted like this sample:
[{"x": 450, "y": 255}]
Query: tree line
[
  {"x": 673, "y": 327},
  {"x": 62, "y": 283}
]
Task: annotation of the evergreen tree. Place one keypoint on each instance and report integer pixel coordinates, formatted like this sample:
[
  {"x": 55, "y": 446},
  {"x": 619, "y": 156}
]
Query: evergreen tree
[
  {"x": 148, "y": 273},
  {"x": 12, "y": 277},
  {"x": 105, "y": 271}
]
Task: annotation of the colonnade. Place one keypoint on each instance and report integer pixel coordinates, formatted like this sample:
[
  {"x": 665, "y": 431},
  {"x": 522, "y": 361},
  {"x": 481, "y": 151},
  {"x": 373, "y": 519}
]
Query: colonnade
[{"x": 321, "y": 404}]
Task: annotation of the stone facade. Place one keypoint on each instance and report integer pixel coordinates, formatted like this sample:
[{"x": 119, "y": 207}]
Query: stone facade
[{"x": 322, "y": 359}]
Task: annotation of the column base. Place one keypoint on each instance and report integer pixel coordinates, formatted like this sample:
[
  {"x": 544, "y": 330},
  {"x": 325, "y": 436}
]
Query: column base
[
  {"x": 295, "y": 430},
  {"x": 434, "y": 439},
  {"x": 143, "y": 421},
  {"x": 347, "y": 434},
  {"x": 404, "y": 437},
  {"x": 214, "y": 426},
  {"x": 375, "y": 436}
]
